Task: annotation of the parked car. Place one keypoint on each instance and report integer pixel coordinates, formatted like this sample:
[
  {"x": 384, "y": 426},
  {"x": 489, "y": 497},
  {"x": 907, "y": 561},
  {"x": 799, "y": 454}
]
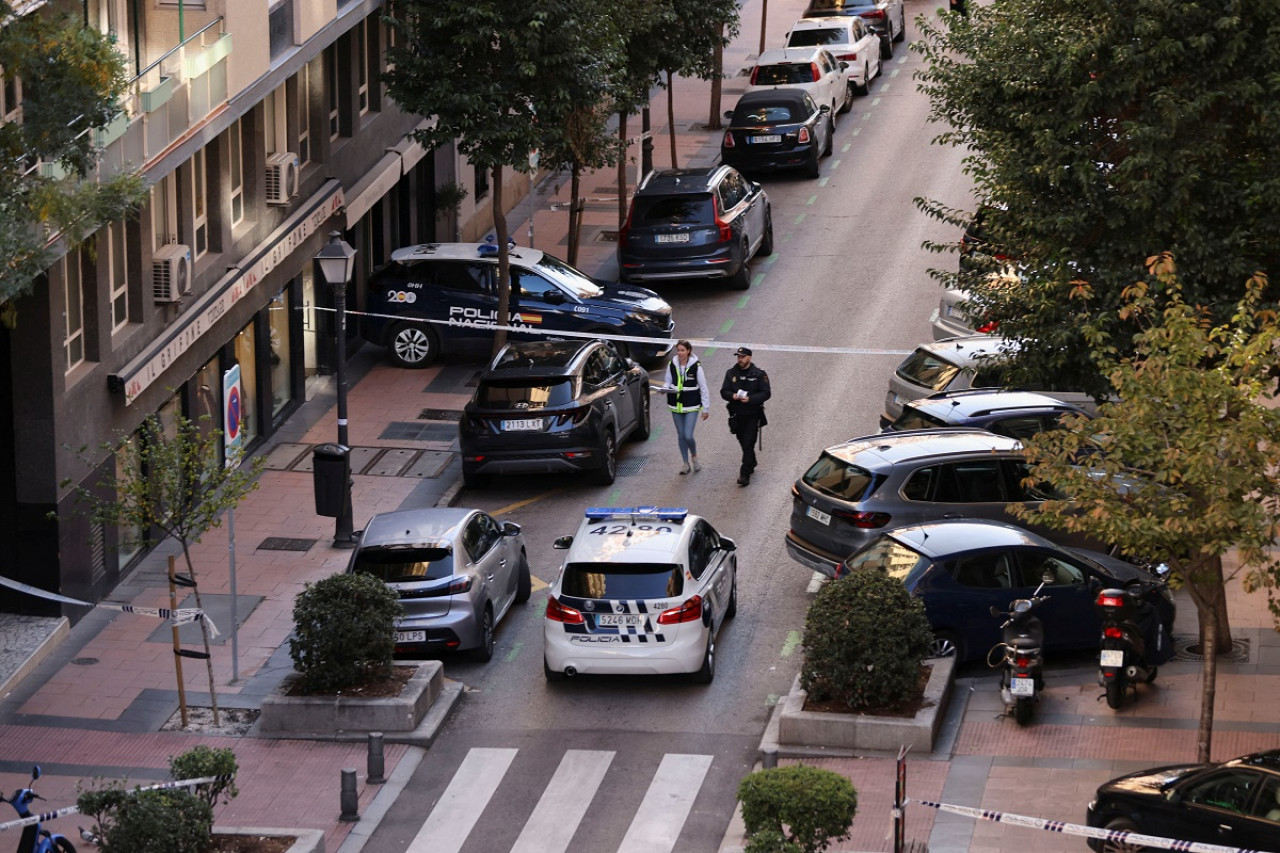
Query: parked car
[
  {"x": 888, "y": 18},
  {"x": 1017, "y": 414},
  {"x": 444, "y": 296},
  {"x": 848, "y": 39},
  {"x": 704, "y": 222},
  {"x": 642, "y": 591},
  {"x": 812, "y": 69},
  {"x": 456, "y": 571},
  {"x": 777, "y": 129},
  {"x": 960, "y": 569},
  {"x": 1233, "y": 803},
  {"x": 860, "y": 488},
  {"x": 553, "y": 407}
]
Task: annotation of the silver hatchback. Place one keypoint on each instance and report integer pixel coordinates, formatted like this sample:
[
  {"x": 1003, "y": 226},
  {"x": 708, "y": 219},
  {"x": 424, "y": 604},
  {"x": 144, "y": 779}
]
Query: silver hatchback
[{"x": 457, "y": 573}]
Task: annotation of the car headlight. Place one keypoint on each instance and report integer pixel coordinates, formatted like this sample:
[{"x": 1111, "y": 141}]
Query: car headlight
[
  {"x": 644, "y": 319},
  {"x": 1093, "y": 804}
]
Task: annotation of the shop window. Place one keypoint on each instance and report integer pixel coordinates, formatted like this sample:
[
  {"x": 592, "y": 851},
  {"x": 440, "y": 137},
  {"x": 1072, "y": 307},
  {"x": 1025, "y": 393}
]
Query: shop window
[
  {"x": 130, "y": 538},
  {"x": 206, "y": 407},
  {"x": 73, "y": 312},
  {"x": 113, "y": 254},
  {"x": 199, "y": 202},
  {"x": 235, "y": 152},
  {"x": 247, "y": 356},
  {"x": 281, "y": 374}
]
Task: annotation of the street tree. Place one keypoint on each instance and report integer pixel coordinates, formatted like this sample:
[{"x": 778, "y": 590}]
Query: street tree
[
  {"x": 1185, "y": 465},
  {"x": 1098, "y": 130},
  {"x": 71, "y": 79},
  {"x": 172, "y": 478},
  {"x": 494, "y": 77}
]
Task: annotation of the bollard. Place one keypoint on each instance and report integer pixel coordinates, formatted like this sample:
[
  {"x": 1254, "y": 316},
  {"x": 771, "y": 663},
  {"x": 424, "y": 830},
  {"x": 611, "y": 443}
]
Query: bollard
[
  {"x": 769, "y": 757},
  {"x": 347, "y": 798},
  {"x": 376, "y": 764}
]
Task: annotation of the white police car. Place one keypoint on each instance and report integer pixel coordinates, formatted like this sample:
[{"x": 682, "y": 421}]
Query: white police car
[{"x": 643, "y": 590}]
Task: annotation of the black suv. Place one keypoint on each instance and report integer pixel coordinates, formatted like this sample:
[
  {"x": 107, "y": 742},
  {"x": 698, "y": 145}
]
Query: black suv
[
  {"x": 553, "y": 406},
  {"x": 695, "y": 223}
]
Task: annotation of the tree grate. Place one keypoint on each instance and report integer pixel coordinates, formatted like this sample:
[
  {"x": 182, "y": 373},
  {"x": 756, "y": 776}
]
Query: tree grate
[
  {"x": 1182, "y": 650},
  {"x": 283, "y": 543},
  {"x": 607, "y": 235},
  {"x": 439, "y": 415}
]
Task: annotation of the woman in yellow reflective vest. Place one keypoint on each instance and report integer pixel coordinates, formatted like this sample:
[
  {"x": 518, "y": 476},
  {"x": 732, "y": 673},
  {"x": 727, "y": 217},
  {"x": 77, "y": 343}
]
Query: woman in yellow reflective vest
[{"x": 687, "y": 397}]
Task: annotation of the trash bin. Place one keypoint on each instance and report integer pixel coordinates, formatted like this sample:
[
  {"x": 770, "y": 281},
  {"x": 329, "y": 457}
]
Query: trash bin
[{"x": 331, "y": 471}]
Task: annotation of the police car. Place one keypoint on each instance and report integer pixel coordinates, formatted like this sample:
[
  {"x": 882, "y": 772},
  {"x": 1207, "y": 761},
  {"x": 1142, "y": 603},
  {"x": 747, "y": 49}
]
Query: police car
[
  {"x": 643, "y": 590},
  {"x": 444, "y": 296}
]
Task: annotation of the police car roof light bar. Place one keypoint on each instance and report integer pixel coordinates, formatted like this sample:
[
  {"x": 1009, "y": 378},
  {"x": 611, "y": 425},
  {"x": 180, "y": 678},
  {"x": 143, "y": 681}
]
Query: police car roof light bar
[{"x": 638, "y": 513}]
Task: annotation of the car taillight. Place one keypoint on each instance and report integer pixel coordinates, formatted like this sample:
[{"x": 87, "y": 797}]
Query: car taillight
[
  {"x": 847, "y": 57},
  {"x": 626, "y": 227},
  {"x": 572, "y": 417},
  {"x": 1113, "y": 633},
  {"x": 815, "y": 71},
  {"x": 726, "y": 230},
  {"x": 803, "y": 136},
  {"x": 865, "y": 520},
  {"x": 988, "y": 327},
  {"x": 458, "y": 585},
  {"x": 755, "y": 72},
  {"x": 557, "y": 612},
  {"x": 728, "y": 140},
  {"x": 690, "y": 611},
  {"x": 874, "y": 13},
  {"x": 1106, "y": 599}
]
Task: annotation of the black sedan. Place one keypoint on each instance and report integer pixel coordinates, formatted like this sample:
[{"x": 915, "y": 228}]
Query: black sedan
[
  {"x": 777, "y": 129},
  {"x": 1235, "y": 803}
]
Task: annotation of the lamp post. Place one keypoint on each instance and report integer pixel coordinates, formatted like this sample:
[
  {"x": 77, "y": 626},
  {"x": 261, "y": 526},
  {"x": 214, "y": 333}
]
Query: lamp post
[{"x": 337, "y": 262}]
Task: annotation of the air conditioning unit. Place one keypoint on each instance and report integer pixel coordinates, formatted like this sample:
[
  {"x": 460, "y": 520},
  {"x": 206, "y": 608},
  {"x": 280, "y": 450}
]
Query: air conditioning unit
[
  {"x": 282, "y": 177},
  {"x": 171, "y": 272}
]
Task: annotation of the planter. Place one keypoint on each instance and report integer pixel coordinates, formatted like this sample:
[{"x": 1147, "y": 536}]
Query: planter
[
  {"x": 800, "y": 728},
  {"x": 283, "y": 714},
  {"x": 305, "y": 840}
]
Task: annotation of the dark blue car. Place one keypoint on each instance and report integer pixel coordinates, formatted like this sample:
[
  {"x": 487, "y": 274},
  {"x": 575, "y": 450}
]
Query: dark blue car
[
  {"x": 961, "y": 569},
  {"x": 443, "y": 297}
]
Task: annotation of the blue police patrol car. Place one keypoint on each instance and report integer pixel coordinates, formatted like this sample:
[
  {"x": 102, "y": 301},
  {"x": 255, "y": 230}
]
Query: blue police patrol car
[{"x": 444, "y": 296}]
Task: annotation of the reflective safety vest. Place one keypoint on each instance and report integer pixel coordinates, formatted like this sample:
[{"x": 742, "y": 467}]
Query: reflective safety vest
[{"x": 687, "y": 396}]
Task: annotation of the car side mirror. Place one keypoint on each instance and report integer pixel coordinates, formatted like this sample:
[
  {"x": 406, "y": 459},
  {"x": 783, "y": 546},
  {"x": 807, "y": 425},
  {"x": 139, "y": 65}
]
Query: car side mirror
[
  {"x": 562, "y": 543},
  {"x": 728, "y": 114},
  {"x": 553, "y": 297},
  {"x": 825, "y": 109},
  {"x": 844, "y": 66},
  {"x": 510, "y": 528},
  {"x": 727, "y": 544},
  {"x": 994, "y": 611},
  {"x": 1048, "y": 578}
]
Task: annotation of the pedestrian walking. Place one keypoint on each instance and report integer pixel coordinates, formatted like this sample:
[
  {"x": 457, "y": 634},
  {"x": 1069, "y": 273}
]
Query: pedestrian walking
[
  {"x": 746, "y": 388},
  {"x": 689, "y": 399}
]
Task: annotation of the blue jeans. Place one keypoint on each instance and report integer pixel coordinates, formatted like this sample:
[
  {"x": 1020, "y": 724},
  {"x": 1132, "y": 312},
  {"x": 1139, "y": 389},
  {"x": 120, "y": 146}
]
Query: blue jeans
[{"x": 685, "y": 422}]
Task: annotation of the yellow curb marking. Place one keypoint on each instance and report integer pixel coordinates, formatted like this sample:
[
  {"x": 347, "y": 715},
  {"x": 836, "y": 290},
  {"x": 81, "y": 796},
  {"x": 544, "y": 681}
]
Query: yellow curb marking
[{"x": 518, "y": 504}]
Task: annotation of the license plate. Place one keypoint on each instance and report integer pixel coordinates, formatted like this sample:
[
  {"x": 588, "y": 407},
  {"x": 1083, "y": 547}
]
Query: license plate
[
  {"x": 411, "y": 636},
  {"x": 1111, "y": 657},
  {"x": 620, "y": 620},
  {"x": 671, "y": 238},
  {"x": 818, "y": 515},
  {"x": 1022, "y": 686},
  {"x": 766, "y": 138},
  {"x": 522, "y": 424}
]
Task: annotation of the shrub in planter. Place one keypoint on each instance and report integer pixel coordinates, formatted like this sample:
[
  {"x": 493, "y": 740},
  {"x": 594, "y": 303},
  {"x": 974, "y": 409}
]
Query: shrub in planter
[
  {"x": 864, "y": 638},
  {"x": 165, "y": 821},
  {"x": 344, "y": 632},
  {"x": 202, "y": 761},
  {"x": 796, "y": 809}
]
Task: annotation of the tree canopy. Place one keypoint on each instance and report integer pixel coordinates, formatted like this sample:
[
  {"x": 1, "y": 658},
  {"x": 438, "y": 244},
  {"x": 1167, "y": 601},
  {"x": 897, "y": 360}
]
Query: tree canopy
[{"x": 1103, "y": 132}]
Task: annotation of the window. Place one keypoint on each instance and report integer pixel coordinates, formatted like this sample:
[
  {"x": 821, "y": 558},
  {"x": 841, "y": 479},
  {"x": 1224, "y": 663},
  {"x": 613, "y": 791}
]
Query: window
[
  {"x": 11, "y": 99},
  {"x": 199, "y": 203},
  {"x": 275, "y": 132},
  {"x": 302, "y": 110},
  {"x": 116, "y": 259},
  {"x": 1269, "y": 801},
  {"x": 334, "y": 90},
  {"x": 1230, "y": 790},
  {"x": 977, "y": 481},
  {"x": 280, "y": 28},
  {"x": 362, "y": 65},
  {"x": 482, "y": 182},
  {"x": 164, "y": 212},
  {"x": 984, "y": 571},
  {"x": 1052, "y": 570},
  {"x": 73, "y": 313},
  {"x": 480, "y": 535},
  {"x": 236, "y": 157}
]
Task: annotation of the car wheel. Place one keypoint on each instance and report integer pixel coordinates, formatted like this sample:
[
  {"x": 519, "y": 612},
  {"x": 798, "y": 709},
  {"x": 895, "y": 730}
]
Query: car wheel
[
  {"x": 886, "y": 47},
  {"x": 901, "y": 32},
  {"x": 484, "y": 652},
  {"x": 608, "y": 471},
  {"x": 1121, "y": 824},
  {"x": 413, "y": 345},
  {"x": 732, "y": 610},
  {"x": 866, "y": 80},
  {"x": 741, "y": 279},
  {"x": 472, "y": 480},
  {"x": 766, "y": 244},
  {"x": 847, "y": 103},
  {"x": 946, "y": 644},
  {"x": 550, "y": 674},
  {"x": 831, "y": 138},
  {"x": 524, "y": 580},
  {"x": 707, "y": 673},
  {"x": 812, "y": 169},
  {"x": 643, "y": 425}
]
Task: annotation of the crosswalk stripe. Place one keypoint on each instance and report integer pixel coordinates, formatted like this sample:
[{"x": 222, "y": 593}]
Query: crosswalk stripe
[
  {"x": 453, "y": 818},
  {"x": 564, "y": 803},
  {"x": 666, "y": 804}
]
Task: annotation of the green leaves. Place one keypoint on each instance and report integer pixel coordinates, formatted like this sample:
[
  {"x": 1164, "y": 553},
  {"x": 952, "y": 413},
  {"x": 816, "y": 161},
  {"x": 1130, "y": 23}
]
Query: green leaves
[{"x": 796, "y": 809}]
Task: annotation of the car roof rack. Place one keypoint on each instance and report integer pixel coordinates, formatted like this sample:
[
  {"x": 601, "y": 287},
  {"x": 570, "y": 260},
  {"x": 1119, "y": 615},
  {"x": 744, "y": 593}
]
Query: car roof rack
[{"x": 634, "y": 514}]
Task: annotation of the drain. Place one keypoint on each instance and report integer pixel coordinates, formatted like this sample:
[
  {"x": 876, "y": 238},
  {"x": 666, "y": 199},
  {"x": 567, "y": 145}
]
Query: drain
[
  {"x": 281, "y": 543},
  {"x": 631, "y": 467},
  {"x": 84, "y": 661},
  {"x": 439, "y": 415}
]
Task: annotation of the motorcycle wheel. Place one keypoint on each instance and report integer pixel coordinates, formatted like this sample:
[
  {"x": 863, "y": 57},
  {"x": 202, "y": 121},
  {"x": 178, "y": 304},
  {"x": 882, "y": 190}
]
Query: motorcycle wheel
[
  {"x": 1151, "y": 674},
  {"x": 1022, "y": 711},
  {"x": 1115, "y": 693}
]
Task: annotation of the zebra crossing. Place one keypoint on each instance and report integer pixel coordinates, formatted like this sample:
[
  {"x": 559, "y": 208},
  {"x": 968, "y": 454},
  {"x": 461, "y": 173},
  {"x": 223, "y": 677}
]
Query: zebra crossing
[{"x": 572, "y": 793}]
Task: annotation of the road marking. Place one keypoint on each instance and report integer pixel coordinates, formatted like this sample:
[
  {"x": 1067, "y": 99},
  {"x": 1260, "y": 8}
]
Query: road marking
[
  {"x": 728, "y": 324},
  {"x": 515, "y": 650},
  {"x": 742, "y": 302},
  {"x": 666, "y": 804},
  {"x": 800, "y": 218},
  {"x": 844, "y": 148},
  {"x": 564, "y": 802},
  {"x": 812, "y": 199},
  {"x": 470, "y": 790},
  {"x": 757, "y": 278},
  {"x": 792, "y": 643},
  {"x": 771, "y": 700},
  {"x": 834, "y": 164},
  {"x": 538, "y": 584},
  {"x": 518, "y": 504}
]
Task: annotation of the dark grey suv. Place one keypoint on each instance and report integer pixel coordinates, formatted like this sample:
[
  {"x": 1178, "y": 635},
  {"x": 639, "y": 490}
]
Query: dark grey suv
[
  {"x": 1017, "y": 414},
  {"x": 695, "y": 223}
]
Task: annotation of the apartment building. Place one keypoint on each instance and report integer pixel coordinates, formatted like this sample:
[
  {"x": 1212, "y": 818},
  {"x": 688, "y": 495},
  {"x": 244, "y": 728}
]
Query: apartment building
[{"x": 260, "y": 126}]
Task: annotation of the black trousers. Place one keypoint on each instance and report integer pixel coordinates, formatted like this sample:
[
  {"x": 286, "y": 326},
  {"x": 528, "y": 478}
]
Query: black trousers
[{"x": 748, "y": 432}]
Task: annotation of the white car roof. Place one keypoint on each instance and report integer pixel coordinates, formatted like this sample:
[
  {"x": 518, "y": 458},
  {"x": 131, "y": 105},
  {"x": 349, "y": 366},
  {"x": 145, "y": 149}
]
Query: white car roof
[
  {"x": 779, "y": 55},
  {"x": 464, "y": 252},
  {"x": 841, "y": 22},
  {"x": 632, "y": 535}
]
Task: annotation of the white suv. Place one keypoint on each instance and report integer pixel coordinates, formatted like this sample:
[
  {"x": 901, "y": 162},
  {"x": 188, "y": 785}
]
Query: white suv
[
  {"x": 848, "y": 39},
  {"x": 812, "y": 69}
]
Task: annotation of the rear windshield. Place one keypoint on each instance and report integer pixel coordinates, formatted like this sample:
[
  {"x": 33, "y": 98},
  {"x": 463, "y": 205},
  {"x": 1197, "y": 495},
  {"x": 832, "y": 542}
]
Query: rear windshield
[
  {"x": 928, "y": 370},
  {"x": 839, "y": 479},
  {"x": 622, "y": 580},
  {"x": 892, "y": 557},
  {"x": 524, "y": 394},
  {"x": 673, "y": 210},
  {"x": 818, "y": 37},
  {"x": 783, "y": 74},
  {"x": 404, "y": 563},
  {"x": 767, "y": 114},
  {"x": 912, "y": 418}
]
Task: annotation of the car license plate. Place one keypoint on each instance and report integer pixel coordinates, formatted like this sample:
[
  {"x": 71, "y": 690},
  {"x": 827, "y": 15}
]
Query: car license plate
[
  {"x": 1111, "y": 657},
  {"x": 522, "y": 424},
  {"x": 671, "y": 238},
  {"x": 764, "y": 139},
  {"x": 1022, "y": 686},
  {"x": 620, "y": 620},
  {"x": 411, "y": 636},
  {"x": 818, "y": 515}
]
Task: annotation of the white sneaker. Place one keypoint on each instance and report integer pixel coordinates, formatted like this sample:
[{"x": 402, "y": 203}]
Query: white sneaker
[
  {"x": 684, "y": 469},
  {"x": 696, "y": 466}
]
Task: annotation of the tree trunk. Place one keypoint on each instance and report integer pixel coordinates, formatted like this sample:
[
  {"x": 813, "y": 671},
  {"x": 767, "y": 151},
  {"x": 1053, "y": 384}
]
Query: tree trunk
[
  {"x": 764, "y": 17},
  {"x": 504, "y": 262},
  {"x": 575, "y": 213},
  {"x": 1208, "y": 683},
  {"x": 622, "y": 172},
  {"x": 1216, "y": 599},
  {"x": 671, "y": 119},
  {"x": 717, "y": 85},
  {"x": 204, "y": 632}
]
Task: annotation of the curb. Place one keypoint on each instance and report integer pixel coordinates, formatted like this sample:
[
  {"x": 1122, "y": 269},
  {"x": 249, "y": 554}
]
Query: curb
[{"x": 60, "y": 632}]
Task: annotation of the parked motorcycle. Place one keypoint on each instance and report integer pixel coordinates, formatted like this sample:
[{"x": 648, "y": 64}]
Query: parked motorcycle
[
  {"x": 1020, "y": 654},
  {"x": 1134, "y": 643},
  {"x": 35, "y": 838}
]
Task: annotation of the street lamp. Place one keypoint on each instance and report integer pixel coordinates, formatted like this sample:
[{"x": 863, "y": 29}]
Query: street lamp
[{"x": 337, "y": 262}]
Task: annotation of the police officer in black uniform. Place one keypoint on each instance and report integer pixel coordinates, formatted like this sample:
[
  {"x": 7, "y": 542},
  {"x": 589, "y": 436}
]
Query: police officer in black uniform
[{"x": 745, "y": 388}]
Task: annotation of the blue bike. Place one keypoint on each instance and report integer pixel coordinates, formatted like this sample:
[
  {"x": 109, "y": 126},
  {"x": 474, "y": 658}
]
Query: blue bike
[{"x": 35, "y": 839}]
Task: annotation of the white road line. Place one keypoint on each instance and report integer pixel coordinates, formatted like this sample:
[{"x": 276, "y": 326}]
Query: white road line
[
  {"x": 453, "y": 818},
  {"x": 666, "y": 804},
  {"x": 564, "y": 802}
]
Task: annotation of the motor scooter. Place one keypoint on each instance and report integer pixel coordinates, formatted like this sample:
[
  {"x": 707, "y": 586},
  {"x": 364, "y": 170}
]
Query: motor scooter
[
  {"x": 35, "y": 838},
  {"x": 1020, "y": 654},
  {"x": 1134, "y": 642}
]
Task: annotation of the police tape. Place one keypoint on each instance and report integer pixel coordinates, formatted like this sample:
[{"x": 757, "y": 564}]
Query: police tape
[
  {"x": 664, "y": 343},
  {"x": 177, "y": 617},
  {"x": 62, "y": 812},
  {"x": 1122, "y": 836}
]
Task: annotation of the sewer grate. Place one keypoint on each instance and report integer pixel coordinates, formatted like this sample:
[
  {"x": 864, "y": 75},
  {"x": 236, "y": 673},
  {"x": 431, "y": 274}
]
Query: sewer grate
[
  {"x": 283, "y": 543},
  {"x": 84, "y": 661},
  {"x": 413, "y": 431},
  {"x": 1182, "y": 650},
  {"x": 631, "y": 467},
  {"x": 439, "y": 415}
]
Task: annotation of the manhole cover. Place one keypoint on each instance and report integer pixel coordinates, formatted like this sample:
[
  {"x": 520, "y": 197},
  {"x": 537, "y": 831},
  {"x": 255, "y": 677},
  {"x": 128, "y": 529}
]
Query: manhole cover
[
  {"x": 631, "y": 467},
  {"x": 1188, "y": 648},
  {"x": 439, "y": 415},
  {"x": 281, "y": 543},
  {"x": 84, "y": 661}
]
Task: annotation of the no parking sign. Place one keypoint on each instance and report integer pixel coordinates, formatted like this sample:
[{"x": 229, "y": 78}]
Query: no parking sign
[{"x": 232, "y": 415}]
